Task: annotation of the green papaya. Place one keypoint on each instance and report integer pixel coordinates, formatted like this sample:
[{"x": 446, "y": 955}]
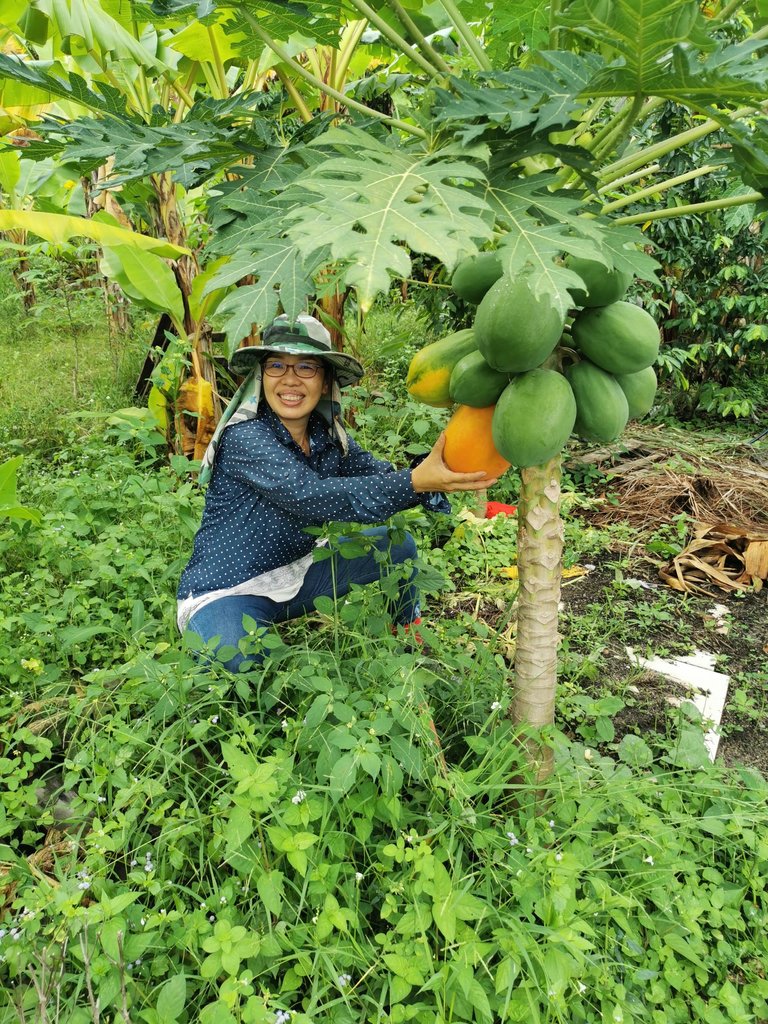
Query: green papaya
[
  {"x": 533, "y": 417},
  {"x": 602, "y": 410},
  {"x": 429, "y": 373},
  {"x": 473, "y": 382},
  {"x": 474, "y": 276},
  {"x": 515, "y": 328},
  {"x": 639, "y": 389},
  {"x": 620, "y": 338},
  {"x": 602, "y": 285}
]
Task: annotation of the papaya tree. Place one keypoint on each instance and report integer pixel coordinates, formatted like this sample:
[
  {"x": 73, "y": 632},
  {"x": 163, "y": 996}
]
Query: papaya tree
[{"x": 520, "y": 136}]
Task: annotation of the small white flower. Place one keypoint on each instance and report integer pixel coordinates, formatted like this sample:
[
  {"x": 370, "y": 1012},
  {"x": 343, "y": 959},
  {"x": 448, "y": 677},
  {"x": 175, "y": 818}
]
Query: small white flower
[
  {"x": 101, "y": 799},
  {"x": 344, "y": 980},
  {"x": 214, "y": 719},
  {"x": 582, "y": 988},
  {"x": 513, "y": 840},
  {"x": 223, "y": 901},
  {"x": 211, "y": 918},
  {"x": 359, "y": 876},
  {"x": 551, "y": 823},
  {"x": 284, "y": 724},
  {"x": 496, "y": 706},
  {"x": 588, "y": 754},
  {"x": 558, "y": 856},
  {"x": 648, "y": 860},
  {"x": 299, "y": 797}
]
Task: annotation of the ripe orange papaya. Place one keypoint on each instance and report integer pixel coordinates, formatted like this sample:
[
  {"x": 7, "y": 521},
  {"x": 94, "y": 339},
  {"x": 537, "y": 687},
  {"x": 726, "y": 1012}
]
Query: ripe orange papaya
[
  {"x": 469, "y": 443},
  {"x": 429, "y": 374}
]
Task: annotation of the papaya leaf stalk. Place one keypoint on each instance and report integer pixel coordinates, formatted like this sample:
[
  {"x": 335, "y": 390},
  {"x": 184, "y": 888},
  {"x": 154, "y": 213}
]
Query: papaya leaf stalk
[
  {"x": 692, "y": 209},
  {"x": 321, "y": 86}
]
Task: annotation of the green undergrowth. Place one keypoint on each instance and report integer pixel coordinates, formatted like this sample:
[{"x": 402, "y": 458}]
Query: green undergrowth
[
  {"x": 288, "y": 845},
  {"x": 60, "y": 359}
]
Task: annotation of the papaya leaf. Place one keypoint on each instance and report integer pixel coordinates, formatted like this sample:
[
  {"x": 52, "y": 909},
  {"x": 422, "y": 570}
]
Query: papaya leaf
[
  {"x": 58, "y": 228},
  {"x": 641, "y": 32},
  {"x": 281, "y": 277},
  {"x": 373, "y": 203},
  {"x": 315, "y": 23},
  {"x": 524, "y": 22},
  {"x": 541, "y": 225},
  {"x": 43, "y": 76},
  {"x": 545, "y": 97},
  {"x": 661, "y": 47},
  {"x": 208, "y": 139}
]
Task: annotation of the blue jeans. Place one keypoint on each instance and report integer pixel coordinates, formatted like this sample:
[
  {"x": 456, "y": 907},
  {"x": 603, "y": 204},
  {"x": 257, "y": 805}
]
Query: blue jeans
[{"x": 331, "y": 577}]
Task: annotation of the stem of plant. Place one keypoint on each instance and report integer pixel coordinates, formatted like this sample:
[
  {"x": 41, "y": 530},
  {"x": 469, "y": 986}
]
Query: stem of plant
[
  {"x": 539, "y": 560},
  {"x": 394, "y": 37},
  {"x": 413, "y": 30},
  {"x": 652, "y": 153},
  {"x": 467, "y": 35},
  {"x": 692, "y": 208},
  {"x": 659, "y": 187},
  {"x": 346, "y": 101}
]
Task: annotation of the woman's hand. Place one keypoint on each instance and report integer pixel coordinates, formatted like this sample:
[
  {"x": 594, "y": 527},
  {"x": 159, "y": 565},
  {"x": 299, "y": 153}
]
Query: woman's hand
[{"x": 433, "y": 475}]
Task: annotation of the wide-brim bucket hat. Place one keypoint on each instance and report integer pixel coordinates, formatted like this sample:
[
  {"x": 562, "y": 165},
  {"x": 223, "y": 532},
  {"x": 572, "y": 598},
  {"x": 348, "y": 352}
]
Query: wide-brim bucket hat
[{"x": 303, "y": 336}]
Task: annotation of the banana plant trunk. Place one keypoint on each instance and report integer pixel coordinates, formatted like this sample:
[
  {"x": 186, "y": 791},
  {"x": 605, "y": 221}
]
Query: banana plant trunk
[
  {"x": 539, "y": 560},
  {"x": 186, "y": 269},
  {"x": 20, "y": 272}
]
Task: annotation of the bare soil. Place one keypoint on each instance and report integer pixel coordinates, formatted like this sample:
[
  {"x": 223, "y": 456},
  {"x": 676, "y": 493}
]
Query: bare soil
[{"x": 741, "y": 650}]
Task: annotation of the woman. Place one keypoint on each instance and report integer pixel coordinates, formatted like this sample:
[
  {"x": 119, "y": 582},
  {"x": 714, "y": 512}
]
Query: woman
[{"x": 280, "y": 461}]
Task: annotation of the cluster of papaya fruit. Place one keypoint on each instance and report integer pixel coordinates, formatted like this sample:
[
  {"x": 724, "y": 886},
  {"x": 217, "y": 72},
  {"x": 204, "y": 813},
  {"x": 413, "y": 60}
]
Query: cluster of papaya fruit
[{"x": 525, "y": 376}]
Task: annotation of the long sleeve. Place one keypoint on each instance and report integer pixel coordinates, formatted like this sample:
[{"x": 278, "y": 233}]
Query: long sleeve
[{"x": 294, "y": 486}]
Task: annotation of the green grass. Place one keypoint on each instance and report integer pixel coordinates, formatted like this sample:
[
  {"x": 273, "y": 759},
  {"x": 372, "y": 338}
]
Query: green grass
[{"x": 57, "y": 360}]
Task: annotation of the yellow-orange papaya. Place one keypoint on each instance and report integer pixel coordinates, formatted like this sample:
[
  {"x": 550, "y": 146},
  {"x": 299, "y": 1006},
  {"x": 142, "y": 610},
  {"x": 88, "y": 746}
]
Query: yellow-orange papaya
[
  {"x": 429, "y": 374},
  {"x": 469, "y": 443}
]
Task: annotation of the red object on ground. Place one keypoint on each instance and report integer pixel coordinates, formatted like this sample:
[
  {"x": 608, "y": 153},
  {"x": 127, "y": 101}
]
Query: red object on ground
[{"x": 498, "y": 508}]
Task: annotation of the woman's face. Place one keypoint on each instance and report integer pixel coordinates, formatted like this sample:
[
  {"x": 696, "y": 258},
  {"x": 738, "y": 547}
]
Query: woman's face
[{"x": 290, "y": 396}]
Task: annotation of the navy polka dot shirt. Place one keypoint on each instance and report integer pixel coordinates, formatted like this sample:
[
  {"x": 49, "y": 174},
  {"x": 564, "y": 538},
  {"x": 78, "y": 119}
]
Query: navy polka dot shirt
[{"x": 264, "y": 491}]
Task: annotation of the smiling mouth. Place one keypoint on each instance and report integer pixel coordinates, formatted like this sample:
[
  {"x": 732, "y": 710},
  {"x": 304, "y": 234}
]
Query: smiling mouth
[{"x": 291, "y": 398}]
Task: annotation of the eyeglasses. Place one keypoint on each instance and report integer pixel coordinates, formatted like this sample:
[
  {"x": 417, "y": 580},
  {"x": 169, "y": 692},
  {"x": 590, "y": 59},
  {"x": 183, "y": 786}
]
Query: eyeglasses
[{"x": 277, "y": 368}]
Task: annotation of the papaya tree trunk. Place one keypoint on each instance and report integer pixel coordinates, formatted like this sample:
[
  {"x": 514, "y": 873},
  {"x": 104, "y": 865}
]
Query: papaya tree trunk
[{"x": 539, "y": 560}]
